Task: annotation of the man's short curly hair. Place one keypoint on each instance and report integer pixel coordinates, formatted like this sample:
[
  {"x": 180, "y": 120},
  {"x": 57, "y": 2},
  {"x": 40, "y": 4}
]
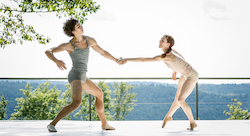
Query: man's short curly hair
[{"x": 69, "y": 26}]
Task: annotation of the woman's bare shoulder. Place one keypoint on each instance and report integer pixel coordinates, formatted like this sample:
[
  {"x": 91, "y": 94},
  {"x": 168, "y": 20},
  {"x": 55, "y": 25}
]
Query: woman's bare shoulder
[{"x": 169, "y": 57}]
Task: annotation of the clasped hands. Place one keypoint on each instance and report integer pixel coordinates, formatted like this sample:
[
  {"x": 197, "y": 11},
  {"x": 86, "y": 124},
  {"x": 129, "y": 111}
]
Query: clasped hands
[{"x": 121, "y": 61}]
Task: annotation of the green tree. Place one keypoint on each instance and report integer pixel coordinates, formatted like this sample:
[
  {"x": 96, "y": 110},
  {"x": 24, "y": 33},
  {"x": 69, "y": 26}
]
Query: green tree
[
  {"x": 40, "y": 104},
  {"x": 235, "y": 112},
  {"x": 3, "y": 104},
  {"x": 124, "y": 101},
  {"x": 12, "y": 26},
  {"x": 83, "y": 113}
]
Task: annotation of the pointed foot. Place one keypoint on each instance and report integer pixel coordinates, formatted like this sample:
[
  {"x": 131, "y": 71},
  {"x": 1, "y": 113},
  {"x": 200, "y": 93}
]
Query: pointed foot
[{"x": 166, "y": 119}]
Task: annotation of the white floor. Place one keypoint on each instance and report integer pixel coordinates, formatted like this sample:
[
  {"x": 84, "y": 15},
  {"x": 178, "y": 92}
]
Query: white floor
[{"x": 127, "y": 128}]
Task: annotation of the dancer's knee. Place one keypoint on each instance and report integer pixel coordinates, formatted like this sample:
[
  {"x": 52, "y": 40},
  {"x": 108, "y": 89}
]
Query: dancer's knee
[
  {"x": 181, "y": 101},
  {"x": 99, "y": 94},
  {"x": 76, "y": 103},
  {"x": 176, "y": 97}
]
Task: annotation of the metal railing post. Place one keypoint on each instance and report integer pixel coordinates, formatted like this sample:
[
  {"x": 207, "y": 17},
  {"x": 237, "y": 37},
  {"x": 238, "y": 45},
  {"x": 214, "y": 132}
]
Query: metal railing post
[
  {"x": 197, "y": 101},
  {"x": 89, "y": 107}
]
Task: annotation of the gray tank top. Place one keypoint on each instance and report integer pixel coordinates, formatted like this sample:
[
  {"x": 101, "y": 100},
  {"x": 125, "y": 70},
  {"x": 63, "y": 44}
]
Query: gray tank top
[{"x": 80, "y": 58}]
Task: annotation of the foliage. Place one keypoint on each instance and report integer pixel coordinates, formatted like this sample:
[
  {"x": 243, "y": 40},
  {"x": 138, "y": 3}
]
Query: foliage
[
  {"x": 40, "y": 104},
  {"x": 153, "y": 99},
  {"x": 3, "y": 104},
  {"x": 12, "y": 26},
  {"x": 44, "y": 103},
  {"x": 235, "y": 112},
  {"x": 83, "y": 113},
  {"x": 124, "y": 100}
]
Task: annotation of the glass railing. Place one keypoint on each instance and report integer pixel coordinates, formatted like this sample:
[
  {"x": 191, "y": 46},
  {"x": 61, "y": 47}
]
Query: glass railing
[{"x": 209, "y": 100}]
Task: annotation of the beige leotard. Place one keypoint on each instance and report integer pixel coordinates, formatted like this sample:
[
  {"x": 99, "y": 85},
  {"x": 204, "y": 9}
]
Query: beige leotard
[{"x": 181, "y": 66}]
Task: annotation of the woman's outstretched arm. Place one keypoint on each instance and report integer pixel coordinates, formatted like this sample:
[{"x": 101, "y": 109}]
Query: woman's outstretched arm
[{"x": 156, "y": 58}]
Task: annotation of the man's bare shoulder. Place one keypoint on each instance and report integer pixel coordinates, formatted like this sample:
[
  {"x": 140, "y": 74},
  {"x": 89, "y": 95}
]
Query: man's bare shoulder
[
  {"x": 64, "y": 46},
  {"x": 89, "y": 38},
  {"x": 91, "y": 41}
]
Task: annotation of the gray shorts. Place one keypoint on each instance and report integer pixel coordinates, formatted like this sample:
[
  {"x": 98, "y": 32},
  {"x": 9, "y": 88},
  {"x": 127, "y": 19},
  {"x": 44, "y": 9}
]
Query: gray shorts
[{"x": 77, "y": 75}]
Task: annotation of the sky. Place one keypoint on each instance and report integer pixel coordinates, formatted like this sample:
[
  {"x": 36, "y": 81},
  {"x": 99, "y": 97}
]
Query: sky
[{"x": 212, "y": 35}]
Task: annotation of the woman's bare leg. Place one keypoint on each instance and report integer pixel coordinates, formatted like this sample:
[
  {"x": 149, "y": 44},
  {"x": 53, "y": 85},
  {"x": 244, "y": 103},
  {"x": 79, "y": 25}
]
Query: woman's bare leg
[
  {"x": 175, "y": 105},
  {"x": 186, "y": 90},
  {"x": 76, "y": 95}
]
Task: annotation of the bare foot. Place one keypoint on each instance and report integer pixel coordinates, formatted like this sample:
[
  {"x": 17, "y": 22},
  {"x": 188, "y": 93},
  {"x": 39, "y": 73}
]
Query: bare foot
[
  {"x": 107, "y": 127},
  {"x": 192, "y": 126}
]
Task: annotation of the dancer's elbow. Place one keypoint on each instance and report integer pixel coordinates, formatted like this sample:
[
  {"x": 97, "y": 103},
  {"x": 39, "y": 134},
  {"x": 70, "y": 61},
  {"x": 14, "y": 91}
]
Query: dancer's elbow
[
  {"x": 142, "y": 59},
  {"x": 48, "y": 51}
]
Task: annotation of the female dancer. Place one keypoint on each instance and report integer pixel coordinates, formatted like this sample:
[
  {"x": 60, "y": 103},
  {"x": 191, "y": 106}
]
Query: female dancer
[
  {"x": 187, "y": 81},
  {"x": 78, "y": 49}
]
